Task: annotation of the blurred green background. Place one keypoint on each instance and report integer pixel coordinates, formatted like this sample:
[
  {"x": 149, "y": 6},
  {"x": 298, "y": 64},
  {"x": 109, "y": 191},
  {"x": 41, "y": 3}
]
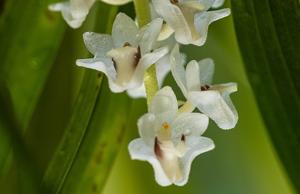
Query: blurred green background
[{"x": 243, "y": 162}]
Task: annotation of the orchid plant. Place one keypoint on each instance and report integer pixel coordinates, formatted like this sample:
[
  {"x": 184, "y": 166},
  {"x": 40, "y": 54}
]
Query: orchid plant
[{"x": 137, "y": 58}]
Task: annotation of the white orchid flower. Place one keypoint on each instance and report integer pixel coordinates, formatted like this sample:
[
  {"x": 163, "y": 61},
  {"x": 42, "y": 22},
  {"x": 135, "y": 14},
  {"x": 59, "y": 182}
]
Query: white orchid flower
[
  {"x": 188, "y": 18},
  {"x": 75, "y": 11},
  {"x": 170, "y": 141},
  {"x": 125, "y": 56},
  {"x": 195, "y": 84}
]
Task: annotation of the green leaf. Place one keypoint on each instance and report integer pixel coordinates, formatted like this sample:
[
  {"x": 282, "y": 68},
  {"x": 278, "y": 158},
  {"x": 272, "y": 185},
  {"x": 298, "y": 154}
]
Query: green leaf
[
  {"x": 30, "y": 37},
  {"x": 66, "y": 152},
  {"x": 6, "y": 122},
  {"x": 10, "y": 132},
  {"x": 100, "y": 145},
  {"x": 53, "y": 111},
  {"x": 62, "y": 160},
  {"x": 268, "y": 36}
]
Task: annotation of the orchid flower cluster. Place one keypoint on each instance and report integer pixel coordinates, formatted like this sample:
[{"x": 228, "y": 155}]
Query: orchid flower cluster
[{"x": 171, "y": 132}]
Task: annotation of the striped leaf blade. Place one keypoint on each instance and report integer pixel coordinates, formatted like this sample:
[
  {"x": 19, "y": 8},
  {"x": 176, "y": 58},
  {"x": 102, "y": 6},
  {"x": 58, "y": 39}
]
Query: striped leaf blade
[{"x": 268, "y": 37}]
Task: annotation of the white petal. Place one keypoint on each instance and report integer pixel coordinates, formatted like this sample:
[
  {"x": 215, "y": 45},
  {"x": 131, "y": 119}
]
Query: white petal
[
  {"x": 146, "y": 126},
  {"x": 80, "y": 8},
  {"x": 60, "y": 6},
  {"x": 166, "y": 32},
  {"x": 139, "y": 92},
  {"x": 138, "y": 150},
  {"x": 98, "y": 44},
  {"x": 206, "y": 3},
  {"x": 116, "y": 2},
  {"x": 189, "y": 9},
  {"x": 213, "y": 104},
  {"x": 192, "y": 5},
  {"x": 73, "y": 23},
  {"x": 174, "y": 18},
  {"x": 124, "y": 30},
  {"x": 153, "y": 12},
  {"x": 145, "y": 62},
  {"x": 105, "y": 66},
  {"x": 177, "y": 69},
  {"x": 207, "y": 68},
  {"x": 196, "y": 146},
  {"x": 188, "y": 124},
  {"x": 67, "y": 15},
  {"x": 149, "y": 34},
  {"x": 202, "y": 21},
  {"x": 227, "y": 88},
  {"x": 192, "y": 76},
  {"x": 163, "y": 67},
  {"x": 170, "y": 42},
  {"x": 218, "y": 14},
  {"x": 218, "y": 3},
  {"x": 74, "y": 12},
  {"x": 164, "y": 101}
]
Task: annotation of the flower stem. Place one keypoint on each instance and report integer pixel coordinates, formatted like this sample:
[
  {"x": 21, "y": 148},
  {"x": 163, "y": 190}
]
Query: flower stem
[{"x": 142, "y": 11}]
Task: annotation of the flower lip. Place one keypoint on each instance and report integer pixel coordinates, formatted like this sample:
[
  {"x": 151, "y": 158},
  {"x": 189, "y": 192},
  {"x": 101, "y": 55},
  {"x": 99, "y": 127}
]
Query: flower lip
[
  {"x": 168, "y": 153},
  {"x": 125, "y": 61},
  {"x": 137, "y": 56}
]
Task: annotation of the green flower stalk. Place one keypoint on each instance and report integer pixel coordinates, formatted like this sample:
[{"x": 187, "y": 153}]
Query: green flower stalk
[{"x": 142, "y": 11}]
